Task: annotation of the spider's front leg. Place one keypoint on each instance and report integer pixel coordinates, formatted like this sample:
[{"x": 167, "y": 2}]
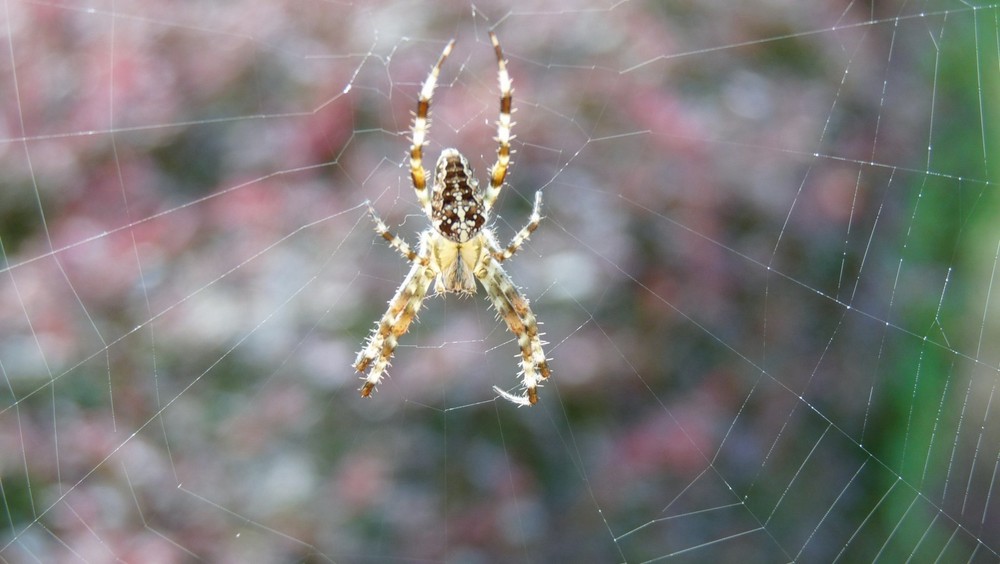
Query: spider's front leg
[
  {"x": 402, "y": 310},
  {"x": 515, "y": 311},
  {"x": 394, "y": 323}
]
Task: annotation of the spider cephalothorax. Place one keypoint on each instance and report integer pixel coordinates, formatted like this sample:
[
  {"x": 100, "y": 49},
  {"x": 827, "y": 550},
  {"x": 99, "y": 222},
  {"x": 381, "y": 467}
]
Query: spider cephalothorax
[{"x": 458, "y": 249}]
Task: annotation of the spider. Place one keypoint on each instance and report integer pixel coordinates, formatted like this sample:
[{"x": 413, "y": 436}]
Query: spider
[{"x": 458, "y": 248}]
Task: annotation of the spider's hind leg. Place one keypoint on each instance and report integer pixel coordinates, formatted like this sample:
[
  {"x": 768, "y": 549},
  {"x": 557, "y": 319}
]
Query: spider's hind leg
[
  {"x": 504, "y": 124},
  {"x": 421, "y": 123}
]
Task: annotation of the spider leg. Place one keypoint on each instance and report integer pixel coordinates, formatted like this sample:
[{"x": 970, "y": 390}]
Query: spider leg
[
  {"x": 524, "y": 233},
  {"x": 394, "y": 323},
  {"x": 515, "y": 311},
  {"x": 394, "y": 241},
  {"x": 499, "y": 171},
  {"x": 421, "y": 124}
]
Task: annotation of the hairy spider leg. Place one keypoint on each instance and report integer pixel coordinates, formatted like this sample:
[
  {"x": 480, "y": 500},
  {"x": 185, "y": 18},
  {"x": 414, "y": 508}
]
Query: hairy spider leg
[
  {"x": 516, "y": 312},
  {"x": 499, "y": 170},
  {"x": 421, "y": 123}
]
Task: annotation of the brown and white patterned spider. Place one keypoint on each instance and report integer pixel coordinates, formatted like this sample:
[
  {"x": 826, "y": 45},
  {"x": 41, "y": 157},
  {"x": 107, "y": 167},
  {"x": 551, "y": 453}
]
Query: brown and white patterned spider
[{"x": 458, "y": 248}]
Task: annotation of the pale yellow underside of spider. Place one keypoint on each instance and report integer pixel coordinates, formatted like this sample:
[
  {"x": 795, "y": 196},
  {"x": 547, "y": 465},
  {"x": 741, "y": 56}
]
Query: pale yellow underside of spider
[{"x": 458, "y": 249}]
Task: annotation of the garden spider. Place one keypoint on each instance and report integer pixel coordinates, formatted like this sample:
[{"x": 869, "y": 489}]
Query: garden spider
[{"x": 458, "y": 249}]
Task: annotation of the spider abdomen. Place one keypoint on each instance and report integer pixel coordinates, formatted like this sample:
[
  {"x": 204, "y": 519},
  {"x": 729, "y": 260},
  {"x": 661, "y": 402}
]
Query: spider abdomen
[{"x": 456, "y": 205}]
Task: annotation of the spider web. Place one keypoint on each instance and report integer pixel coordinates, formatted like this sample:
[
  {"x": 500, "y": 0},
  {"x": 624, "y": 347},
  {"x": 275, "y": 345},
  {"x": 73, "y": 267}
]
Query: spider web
[{"x": 766, "y": 274}]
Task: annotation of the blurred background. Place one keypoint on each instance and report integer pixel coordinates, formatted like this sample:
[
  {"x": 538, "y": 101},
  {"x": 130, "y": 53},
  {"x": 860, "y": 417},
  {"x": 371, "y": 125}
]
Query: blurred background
[{"x": 765, "y": 275}]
